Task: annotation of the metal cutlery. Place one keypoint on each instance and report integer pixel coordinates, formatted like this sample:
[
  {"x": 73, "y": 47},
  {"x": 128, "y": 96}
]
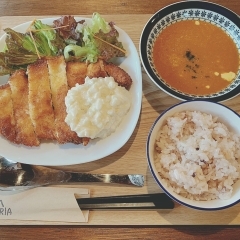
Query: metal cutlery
[
  {"x": 19, "y": 176},
  {"x": 132, "y": 202}
]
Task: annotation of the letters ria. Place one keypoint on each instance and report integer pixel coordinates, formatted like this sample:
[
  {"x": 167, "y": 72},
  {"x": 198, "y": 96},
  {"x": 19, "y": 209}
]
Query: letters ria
[{"x": 4, "y": 210}]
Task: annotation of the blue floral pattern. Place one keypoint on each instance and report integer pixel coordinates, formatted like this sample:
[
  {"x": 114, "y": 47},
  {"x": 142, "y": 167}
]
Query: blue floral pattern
[{"x": 195, "y": 14}]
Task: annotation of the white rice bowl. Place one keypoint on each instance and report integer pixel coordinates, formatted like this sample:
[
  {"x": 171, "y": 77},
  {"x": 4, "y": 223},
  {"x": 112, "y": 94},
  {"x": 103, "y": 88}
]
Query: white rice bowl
[{"x": 193, "y": 152}]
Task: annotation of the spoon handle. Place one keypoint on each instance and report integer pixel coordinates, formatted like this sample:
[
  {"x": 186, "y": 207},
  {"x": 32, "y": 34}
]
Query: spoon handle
[{"x": 130, "y": 179}]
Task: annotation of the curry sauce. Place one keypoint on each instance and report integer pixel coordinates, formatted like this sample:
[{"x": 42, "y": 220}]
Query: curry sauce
[{"x": 196, "y": 57}]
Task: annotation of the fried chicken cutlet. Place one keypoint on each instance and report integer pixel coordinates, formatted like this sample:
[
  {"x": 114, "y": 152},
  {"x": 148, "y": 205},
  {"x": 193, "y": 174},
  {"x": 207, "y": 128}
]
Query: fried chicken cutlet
[
  {"x": 59, "y": 89},
  {"x": 120, "y": 76},
  {"x": 25, "y": 133},
  {"x": 96, "y": 69},
  {"x": 7, "y": 121},
  {"x": 40, "y": 102},
  {"x": 76, "y": 73},
  {"x": 99, "y": 69}
]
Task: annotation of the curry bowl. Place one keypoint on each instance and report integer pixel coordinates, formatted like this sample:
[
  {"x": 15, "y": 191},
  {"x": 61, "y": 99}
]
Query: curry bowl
[
  {"x": 195, "y": 160},
  {"x": 190, "y": 50}
]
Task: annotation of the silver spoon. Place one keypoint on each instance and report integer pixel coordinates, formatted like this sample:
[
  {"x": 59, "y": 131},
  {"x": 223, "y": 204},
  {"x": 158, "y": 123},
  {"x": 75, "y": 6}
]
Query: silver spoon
[{"x": 19, "y": 176}]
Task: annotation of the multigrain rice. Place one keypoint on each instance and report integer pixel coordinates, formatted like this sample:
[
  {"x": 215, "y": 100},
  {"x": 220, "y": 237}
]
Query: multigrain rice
[{"x": 197, "y": 156}]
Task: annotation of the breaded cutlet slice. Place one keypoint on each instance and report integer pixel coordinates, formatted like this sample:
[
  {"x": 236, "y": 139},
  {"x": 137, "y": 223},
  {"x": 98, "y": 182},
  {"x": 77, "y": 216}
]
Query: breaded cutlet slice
[
  {"x": 7, "y": 121},
  {"x": 59, "y": 89},
  {"x": 25, "y": 133},
  {"x": 104, "y": 69},
  {"x": 76, "y": 73},
  {"x": 40, "y": 101},
  {"x": 120, "y": 76},
  {"x": 96, "y": 69}
]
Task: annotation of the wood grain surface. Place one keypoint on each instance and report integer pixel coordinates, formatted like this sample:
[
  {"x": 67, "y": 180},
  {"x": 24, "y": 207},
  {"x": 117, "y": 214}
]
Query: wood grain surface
[
  {"x": 79, "y": 7},
  {"x": 120, "y": 233},
  {"x": 180, "y": 223}
]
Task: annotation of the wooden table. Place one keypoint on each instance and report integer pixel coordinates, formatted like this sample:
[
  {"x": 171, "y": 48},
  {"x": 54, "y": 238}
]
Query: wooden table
[{"x": 131, "y": 16}]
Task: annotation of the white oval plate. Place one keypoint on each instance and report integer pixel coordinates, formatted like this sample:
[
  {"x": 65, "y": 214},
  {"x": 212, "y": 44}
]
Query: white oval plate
[{"x": 53, "y": 154}]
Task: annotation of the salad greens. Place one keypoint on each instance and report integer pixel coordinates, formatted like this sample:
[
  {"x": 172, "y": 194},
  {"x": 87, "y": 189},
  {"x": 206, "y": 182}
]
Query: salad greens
[
  {"x": 51, "y": 41},
  {"x": 96, "y": 39},
  {"x": 79, "y": 41}
]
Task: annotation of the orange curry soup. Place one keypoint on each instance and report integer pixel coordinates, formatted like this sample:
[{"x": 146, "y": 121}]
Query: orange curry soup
[{"x": 195, "y": 57}]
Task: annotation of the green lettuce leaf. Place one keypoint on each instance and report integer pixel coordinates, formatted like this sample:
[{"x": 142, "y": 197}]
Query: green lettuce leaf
[
  {"x": 99, "y": 23},
  {"x": 85, "y": 53},
  {"x": 48, "y": 40},
  {"x": 18, "y": 53},
  {"x": 4, "y": 69},
  {"x": 21, "y": 48},
  {"x": 15, "y": 42}
]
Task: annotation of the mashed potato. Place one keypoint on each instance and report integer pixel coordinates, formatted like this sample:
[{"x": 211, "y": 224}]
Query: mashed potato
[{"x": 96, "y": 108}]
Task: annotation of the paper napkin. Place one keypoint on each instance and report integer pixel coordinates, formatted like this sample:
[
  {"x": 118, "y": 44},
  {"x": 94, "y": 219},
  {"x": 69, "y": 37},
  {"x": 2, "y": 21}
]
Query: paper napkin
[{"x": 47, "y": 204}]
